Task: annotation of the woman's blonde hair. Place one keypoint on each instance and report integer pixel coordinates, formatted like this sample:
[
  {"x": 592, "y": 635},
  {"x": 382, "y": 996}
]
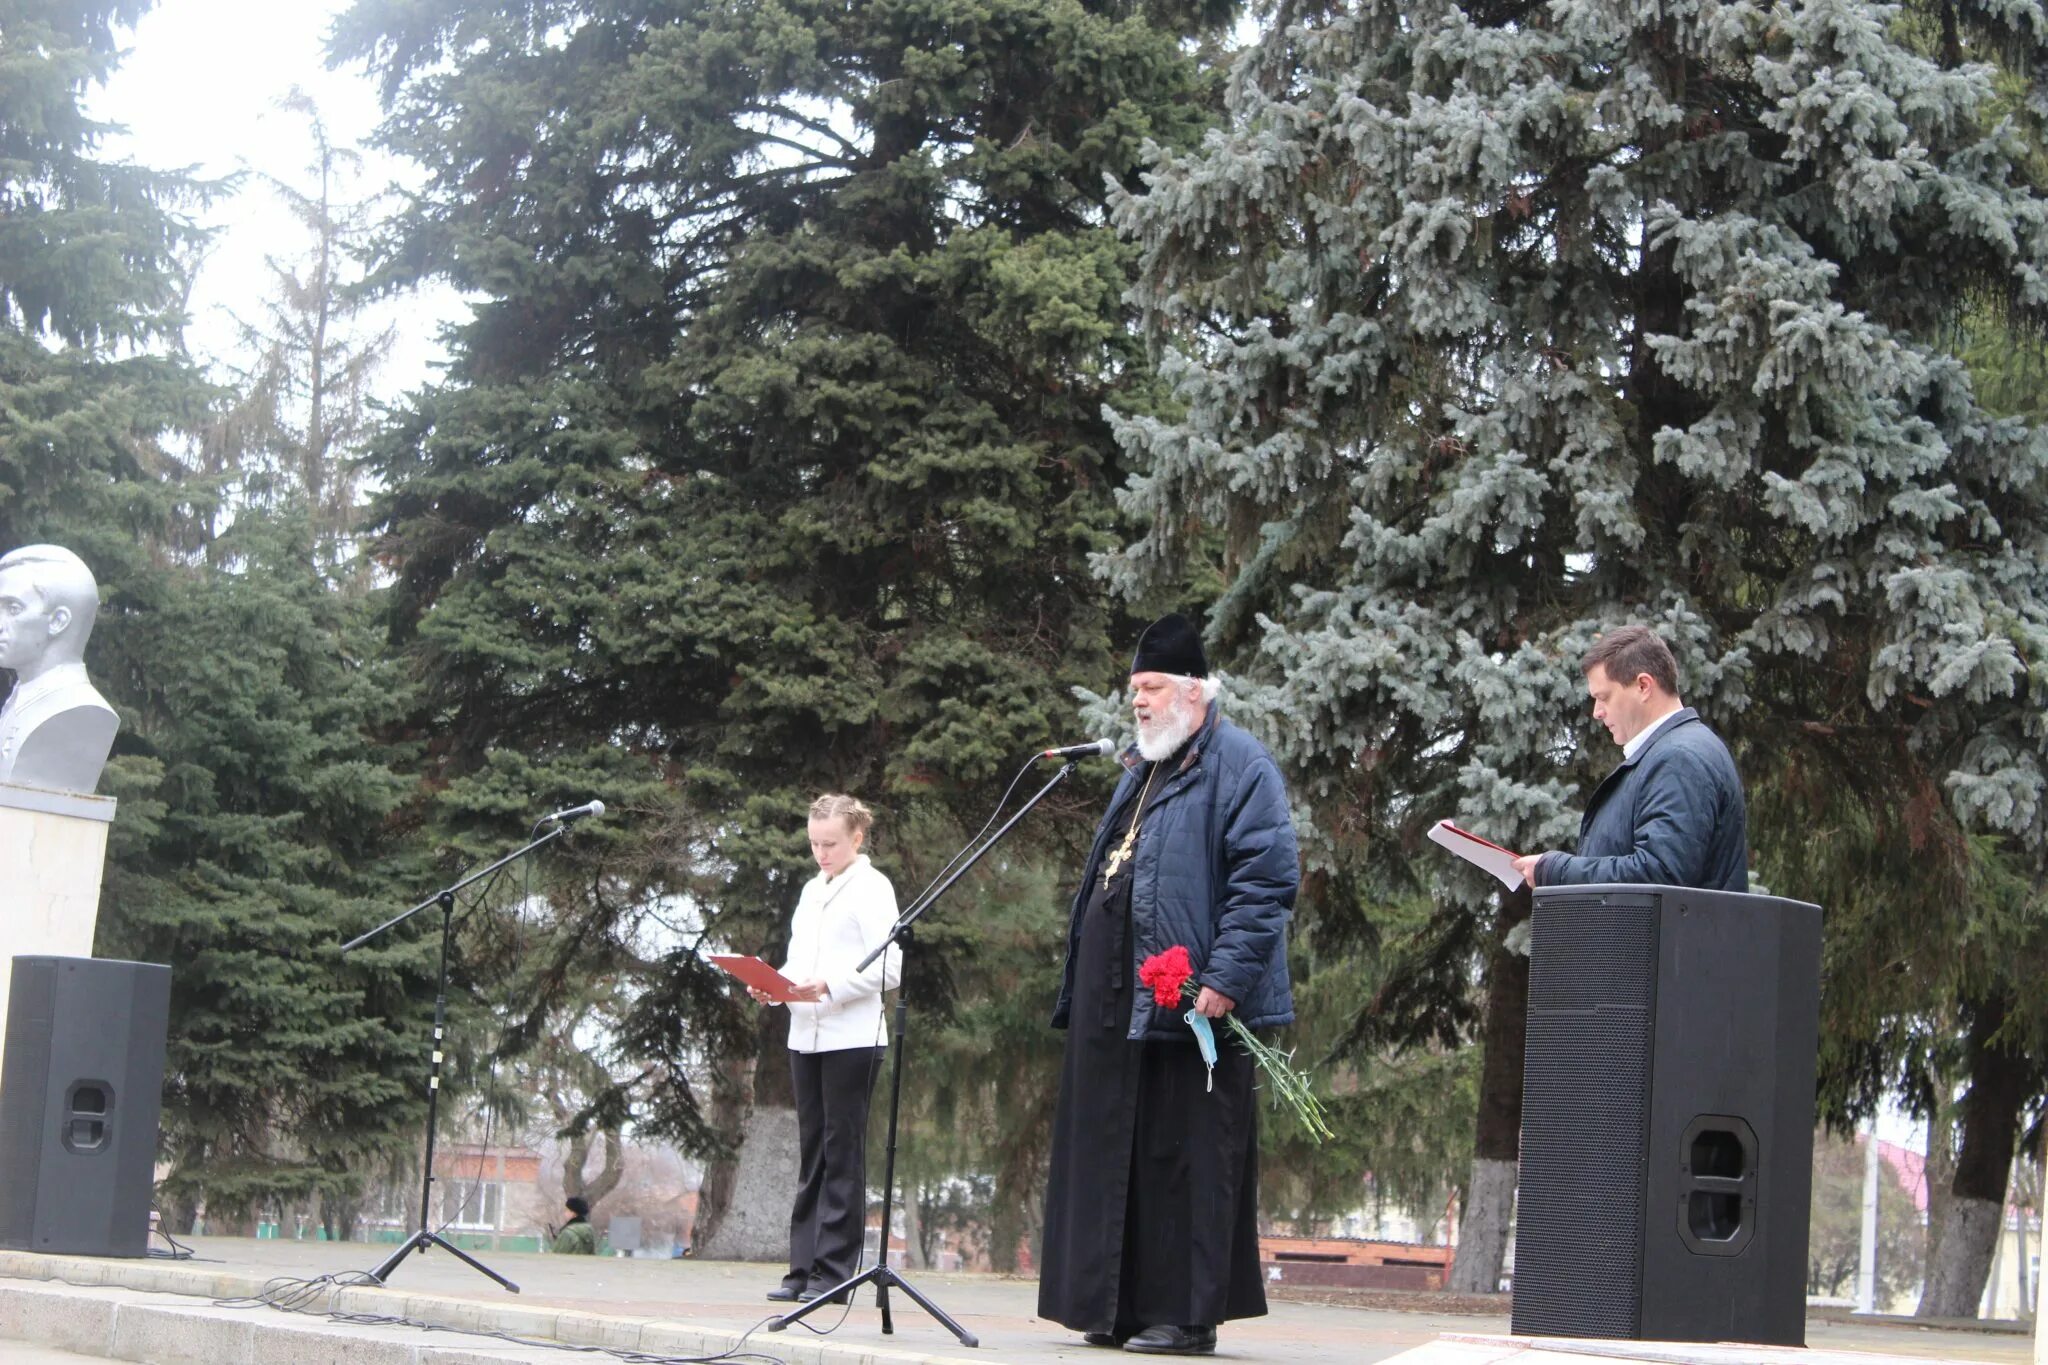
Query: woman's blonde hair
[{"x": 835, "y": 805}]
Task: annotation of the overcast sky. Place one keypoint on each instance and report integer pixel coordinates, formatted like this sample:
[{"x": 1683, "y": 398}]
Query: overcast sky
[{"x": 199, "y": 88}]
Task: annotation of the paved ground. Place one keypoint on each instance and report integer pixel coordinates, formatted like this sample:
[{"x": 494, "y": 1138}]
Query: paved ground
[
  {"x": 585, "y": 1298},
  {"x": 711, "y": 1294}
]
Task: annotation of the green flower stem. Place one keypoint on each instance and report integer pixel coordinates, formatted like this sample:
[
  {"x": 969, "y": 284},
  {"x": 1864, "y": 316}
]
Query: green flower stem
[{"x": 1290, "y": 1087}]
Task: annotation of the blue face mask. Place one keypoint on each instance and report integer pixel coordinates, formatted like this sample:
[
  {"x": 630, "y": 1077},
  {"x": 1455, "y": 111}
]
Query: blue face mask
[{"x": 1205, "y": 1038}]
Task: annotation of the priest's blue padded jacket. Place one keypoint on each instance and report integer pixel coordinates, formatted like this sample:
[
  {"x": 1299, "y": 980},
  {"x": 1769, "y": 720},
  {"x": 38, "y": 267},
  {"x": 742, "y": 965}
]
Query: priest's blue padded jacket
[{"x": 1215, "y": 870}]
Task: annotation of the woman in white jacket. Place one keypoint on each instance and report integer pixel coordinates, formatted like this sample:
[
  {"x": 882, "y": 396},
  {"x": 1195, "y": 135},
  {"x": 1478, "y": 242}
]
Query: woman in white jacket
[{"x": 836, "y": 1042}]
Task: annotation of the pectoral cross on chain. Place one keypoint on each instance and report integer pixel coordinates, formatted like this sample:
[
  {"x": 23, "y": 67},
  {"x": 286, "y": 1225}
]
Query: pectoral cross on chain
[
  {"x": 1117, "y": 857},
  {"x": 1121, "y": 854}
]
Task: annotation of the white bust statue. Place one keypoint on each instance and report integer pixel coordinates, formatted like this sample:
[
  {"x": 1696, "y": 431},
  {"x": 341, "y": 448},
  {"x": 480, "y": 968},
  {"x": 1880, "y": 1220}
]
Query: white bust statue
[{"x": 55, "y": 729}]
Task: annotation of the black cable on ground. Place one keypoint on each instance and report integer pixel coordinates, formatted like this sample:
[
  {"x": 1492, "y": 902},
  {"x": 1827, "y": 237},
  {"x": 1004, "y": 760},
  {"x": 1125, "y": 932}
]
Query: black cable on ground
[
  {"x": 288, "y": 1294},
  {"x": 178, "y": 1251}
]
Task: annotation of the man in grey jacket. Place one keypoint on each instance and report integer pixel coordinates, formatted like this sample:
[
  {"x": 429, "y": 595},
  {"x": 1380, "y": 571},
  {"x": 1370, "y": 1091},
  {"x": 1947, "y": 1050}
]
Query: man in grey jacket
[{"x": 1672, "y": 812}]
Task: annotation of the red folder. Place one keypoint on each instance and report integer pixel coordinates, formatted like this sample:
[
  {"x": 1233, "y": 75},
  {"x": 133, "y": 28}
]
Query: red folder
[{"x": 759, "y": 975}]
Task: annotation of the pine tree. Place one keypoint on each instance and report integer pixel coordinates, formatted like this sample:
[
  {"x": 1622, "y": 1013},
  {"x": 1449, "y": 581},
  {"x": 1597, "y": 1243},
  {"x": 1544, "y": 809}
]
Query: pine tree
[
  {"x": 251, "y": 835},
  {"x": 982, "y": 1078},
  {"x": 255, "y": 835},
  {"x": 1494, "y": 326},
  {"x": 303, "y": 408},
  {"x": 771, "y": 459},
  {"x": 92, "y": 274}
]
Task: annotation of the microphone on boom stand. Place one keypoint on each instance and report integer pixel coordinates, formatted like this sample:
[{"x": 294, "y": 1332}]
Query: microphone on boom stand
[
  {"x": 1093, "y": 748},
  {"x": 573, "y": 813}
]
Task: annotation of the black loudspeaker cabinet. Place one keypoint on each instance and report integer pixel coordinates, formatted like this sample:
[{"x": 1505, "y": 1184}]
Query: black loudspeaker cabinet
[
  {"x": 1667, "y": 1115},
  {"x": 81, "y": 1089}
]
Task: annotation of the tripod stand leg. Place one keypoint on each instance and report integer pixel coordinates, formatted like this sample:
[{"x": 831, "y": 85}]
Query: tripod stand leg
[
  {"x": 472, "y": 1262},
  {"x": 405, "y": 1248},
  {"x": 828, "y": 1299},
  {"x": 881, "y": 1277},
  {"x": 423, "y": 1239},
  {"x": 887, "y": 1277}
]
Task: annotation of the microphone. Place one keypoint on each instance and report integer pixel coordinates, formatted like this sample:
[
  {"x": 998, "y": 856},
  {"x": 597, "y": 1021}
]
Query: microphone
[
  {"x": 573, "y": 813},
  {"x": 1103, "y": 747}
]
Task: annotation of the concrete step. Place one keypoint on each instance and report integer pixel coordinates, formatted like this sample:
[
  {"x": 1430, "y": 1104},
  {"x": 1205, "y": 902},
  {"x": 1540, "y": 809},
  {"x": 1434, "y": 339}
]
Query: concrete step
[
  {"x": 161, "y": 1310},
  {"x": 21, "y": 1353},
  {"x": 169, "y": 1312},
  {"x": 1472, "y": 1348},
  {"x": 72, "y": 1322}
]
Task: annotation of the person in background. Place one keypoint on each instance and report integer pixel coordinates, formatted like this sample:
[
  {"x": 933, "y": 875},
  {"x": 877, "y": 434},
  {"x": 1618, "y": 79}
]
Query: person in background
[
  {"x": 836, "y": 1042},
  {"x": 577, "y": 1237}
]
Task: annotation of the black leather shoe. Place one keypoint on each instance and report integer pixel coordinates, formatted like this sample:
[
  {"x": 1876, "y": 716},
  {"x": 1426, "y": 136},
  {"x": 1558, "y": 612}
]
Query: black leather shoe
[
  {"x": 784, "y": 1293},
  {"x": 1102, "y": 1339},
  {"x": 1174, "y": 1341},
  {"x": 811, "y": 1292}
]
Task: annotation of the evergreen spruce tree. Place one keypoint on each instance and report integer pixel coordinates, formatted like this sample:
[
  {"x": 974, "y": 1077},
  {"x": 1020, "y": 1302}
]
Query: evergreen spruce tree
[
  {"x": 91, "y": 287},
  {"x": 304, "y": 394},
  {"x": 252, "y": 830},
  {"x": 771, "y": 459},
  {"x": 979, "y": 1092},
  {"x": 257, "y": 831},
  {"x": 1494, "y": 326}
]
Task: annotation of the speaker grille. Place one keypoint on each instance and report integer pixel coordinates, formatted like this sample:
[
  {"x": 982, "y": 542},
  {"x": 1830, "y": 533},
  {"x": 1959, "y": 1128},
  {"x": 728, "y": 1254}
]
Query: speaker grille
[{"x": 1586, "y": 1086}]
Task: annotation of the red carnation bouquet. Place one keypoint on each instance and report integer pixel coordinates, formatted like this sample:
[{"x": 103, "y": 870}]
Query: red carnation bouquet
[{"x": 1171, "y": 976}]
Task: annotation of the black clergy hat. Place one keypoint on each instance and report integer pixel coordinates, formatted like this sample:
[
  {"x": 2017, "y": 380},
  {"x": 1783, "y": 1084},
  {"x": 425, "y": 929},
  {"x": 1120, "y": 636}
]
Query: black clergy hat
[{"x": 1171, "y": 645}]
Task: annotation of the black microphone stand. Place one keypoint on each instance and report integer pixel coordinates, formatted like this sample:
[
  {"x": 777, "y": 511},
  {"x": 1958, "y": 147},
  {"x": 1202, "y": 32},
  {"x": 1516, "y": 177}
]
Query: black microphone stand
[
  {"x": 445, "y": 898},
  {"x": 883, "y": 1275}
]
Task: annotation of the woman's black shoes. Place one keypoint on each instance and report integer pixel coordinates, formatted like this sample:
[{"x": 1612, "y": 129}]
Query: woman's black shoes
[{"x": 783, "y": 1293}]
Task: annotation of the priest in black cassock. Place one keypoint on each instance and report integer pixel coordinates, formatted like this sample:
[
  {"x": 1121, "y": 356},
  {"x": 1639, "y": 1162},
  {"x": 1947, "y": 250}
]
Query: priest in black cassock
[{"x": 1151, "y": 1212}]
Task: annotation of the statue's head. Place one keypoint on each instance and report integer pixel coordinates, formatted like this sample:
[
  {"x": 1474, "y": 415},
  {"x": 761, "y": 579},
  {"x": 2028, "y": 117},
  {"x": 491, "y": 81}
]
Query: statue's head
[{"x": 48, "y": 601}]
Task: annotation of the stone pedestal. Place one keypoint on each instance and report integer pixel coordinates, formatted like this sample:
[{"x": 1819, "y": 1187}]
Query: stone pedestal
[{"x": 53, "y": 849}]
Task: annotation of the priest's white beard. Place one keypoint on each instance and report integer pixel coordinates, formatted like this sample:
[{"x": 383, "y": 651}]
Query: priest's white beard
[{"x": 1164, "y": 736}]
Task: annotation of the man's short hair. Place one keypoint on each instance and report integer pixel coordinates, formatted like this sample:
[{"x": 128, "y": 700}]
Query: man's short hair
[
  {"x": 1631, "y": 651},
  {"x": 577, "y": 1205}
]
